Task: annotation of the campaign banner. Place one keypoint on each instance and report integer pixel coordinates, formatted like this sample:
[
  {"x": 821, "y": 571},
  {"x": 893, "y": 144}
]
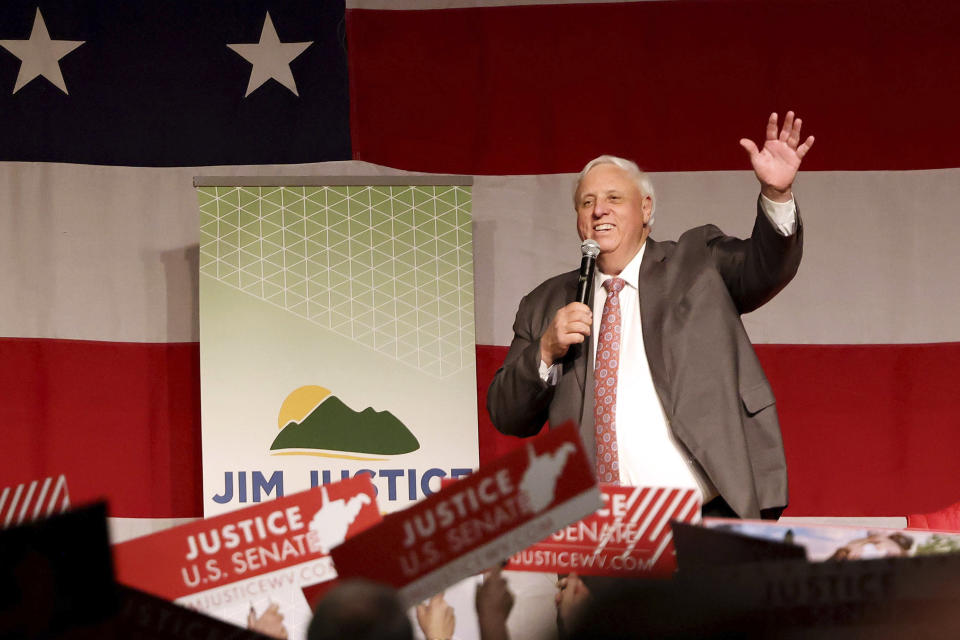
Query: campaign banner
[
  {"x": 845, "y": 542},
  {"x": 477, "y": 522},
  {"x": 252, "y": 562},
  {"x": 336, "y": 336},
  {"x": 628, "y": 536}
]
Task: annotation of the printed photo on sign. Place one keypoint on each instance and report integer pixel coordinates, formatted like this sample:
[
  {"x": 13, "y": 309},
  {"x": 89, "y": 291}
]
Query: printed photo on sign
[{"x": 845, "y": 543}]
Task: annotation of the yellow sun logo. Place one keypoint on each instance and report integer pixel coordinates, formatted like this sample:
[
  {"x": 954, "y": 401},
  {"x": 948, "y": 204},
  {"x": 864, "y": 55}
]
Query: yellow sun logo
[{"x": 300, "y": 403}]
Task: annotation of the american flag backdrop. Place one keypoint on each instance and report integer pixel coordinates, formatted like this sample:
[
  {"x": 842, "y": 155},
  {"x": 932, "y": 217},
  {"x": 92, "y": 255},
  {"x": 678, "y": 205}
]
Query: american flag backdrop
[{"x": 108, "y": 109}]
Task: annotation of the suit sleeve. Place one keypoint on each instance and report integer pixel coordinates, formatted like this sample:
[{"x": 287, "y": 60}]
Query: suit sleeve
[
  {"x": 518, "y": 400},
  {"x": 756, "y": 269}
]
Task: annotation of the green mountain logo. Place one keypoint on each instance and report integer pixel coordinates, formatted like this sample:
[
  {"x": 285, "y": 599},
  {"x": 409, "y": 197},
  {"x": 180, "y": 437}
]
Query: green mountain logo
[{"x": 334, "y": 426}]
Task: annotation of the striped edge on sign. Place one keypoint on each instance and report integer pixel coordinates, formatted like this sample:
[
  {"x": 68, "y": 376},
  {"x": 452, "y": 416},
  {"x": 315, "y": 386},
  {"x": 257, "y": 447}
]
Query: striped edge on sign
[
  {"x": 656, "y": 507},
  {"x": 38, "y": 499}
]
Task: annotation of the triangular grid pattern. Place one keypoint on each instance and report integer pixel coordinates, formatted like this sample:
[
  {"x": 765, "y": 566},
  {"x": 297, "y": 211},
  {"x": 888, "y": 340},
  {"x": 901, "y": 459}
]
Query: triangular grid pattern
[{"x": 388, "y": 267}]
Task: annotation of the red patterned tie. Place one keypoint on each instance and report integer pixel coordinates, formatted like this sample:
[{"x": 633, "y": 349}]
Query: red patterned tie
[{"x": 605, "y": 384}]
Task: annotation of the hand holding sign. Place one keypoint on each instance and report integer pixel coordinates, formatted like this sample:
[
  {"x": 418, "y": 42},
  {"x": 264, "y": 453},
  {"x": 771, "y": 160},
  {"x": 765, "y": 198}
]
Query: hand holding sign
[
  {"x": 436, "y": 618},
  {"x": 270, "y": 622},
  {"x": 494, "y": 602},
  {"x": 572, "y": 597}
]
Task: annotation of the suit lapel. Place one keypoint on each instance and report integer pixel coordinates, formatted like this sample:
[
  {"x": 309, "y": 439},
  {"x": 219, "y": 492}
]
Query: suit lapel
[{"x": 651, "y": 286}]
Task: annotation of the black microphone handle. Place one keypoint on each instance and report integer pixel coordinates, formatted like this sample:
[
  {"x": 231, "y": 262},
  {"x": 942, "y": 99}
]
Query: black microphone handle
[{"x": 585, "y": 282}]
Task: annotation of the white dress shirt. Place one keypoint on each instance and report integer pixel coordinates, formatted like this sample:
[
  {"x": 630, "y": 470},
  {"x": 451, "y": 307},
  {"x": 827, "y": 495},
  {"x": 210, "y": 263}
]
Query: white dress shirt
[{"x": 650, "y": 454}]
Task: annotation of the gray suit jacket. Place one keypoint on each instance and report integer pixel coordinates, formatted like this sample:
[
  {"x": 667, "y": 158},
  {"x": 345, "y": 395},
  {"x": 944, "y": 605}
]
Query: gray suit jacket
[{"x": 706, "y": 373}]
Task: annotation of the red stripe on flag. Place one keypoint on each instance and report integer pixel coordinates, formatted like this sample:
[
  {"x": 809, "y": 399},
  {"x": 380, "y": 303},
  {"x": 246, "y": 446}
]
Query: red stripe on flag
[
  {"x": 674, "y": 85},
  {"x": 120, "y": 420},
  {"x": 870, "y": 430},
  {"x": 493, "y": 444}
]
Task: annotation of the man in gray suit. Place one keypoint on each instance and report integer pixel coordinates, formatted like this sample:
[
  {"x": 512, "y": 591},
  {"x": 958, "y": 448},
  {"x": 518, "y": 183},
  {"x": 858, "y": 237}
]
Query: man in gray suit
[{"x": 678, "y": 397}]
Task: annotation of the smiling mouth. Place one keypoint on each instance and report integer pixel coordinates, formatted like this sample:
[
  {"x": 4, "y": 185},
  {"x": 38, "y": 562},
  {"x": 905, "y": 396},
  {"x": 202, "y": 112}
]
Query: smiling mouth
[{"x": 603, "y": 227}]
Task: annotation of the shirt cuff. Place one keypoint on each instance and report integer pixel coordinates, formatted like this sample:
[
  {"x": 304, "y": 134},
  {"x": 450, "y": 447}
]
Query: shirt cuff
[
  {"x": 551, "y": 374},
  {"x": 782, "y": 215}
]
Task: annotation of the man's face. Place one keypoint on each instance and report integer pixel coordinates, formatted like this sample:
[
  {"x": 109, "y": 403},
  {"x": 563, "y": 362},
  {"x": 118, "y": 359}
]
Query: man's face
[{"x": 611, "y": 211}]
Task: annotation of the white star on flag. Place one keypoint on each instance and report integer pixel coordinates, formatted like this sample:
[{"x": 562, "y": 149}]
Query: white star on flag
[
  {"x": 39, "y": 55},
  {"x": 270, "y": 58}
]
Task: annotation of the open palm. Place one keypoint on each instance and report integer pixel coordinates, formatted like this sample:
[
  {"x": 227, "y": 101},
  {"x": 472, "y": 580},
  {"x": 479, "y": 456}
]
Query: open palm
[{"x": 777, "y": 163}]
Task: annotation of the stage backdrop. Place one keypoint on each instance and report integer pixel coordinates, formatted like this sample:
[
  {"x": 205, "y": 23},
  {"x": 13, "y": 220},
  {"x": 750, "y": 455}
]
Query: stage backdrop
[
  {"x": 336, "y": 336},
  {"x": 99, "y": 238}
]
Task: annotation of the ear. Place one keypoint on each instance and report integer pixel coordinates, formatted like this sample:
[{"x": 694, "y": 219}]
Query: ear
[{"x": 646, "y": 205}]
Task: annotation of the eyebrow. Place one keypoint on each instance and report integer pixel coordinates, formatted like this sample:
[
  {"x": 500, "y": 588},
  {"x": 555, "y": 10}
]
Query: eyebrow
[{"x": 584, "y": 196}]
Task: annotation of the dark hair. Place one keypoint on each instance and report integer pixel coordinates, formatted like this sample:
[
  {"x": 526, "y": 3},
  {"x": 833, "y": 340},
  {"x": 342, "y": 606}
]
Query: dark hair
[{"x": 360, "y": 610}]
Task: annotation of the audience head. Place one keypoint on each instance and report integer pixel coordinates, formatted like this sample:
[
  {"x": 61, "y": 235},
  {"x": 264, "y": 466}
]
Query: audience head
[{"x": 360, "y": 610}]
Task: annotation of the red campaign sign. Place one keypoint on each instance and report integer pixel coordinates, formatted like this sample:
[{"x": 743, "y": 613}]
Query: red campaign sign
[
  {"x": 250, "y": 542},
  {"x": 478, "y": 521},
  {"x": 629, "y": 536}
]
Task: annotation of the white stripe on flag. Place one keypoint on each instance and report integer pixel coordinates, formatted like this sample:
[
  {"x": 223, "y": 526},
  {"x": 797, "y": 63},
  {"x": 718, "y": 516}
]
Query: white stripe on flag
[
  {"x": 883, "y": 240},
  {"x": 109, "y": 253}
]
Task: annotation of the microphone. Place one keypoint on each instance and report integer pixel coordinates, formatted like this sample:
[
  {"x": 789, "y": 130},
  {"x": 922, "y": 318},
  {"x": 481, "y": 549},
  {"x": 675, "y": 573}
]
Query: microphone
[{"x": 590, "y": 250}]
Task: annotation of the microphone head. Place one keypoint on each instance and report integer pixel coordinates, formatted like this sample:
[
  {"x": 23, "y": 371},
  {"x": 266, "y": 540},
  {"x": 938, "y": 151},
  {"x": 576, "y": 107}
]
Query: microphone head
[{"x": 590, "y": 248}]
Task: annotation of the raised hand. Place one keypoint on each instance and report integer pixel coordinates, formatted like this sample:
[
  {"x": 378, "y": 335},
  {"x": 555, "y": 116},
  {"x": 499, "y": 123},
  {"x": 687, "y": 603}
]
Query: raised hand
[
  {"x": 436, "y": 618},
  {"x": 269, "y": 623},
  {"x": 494, "y": 601},
  {"x": 777, "y": 163},
  {"x": 572, "y": 598}
]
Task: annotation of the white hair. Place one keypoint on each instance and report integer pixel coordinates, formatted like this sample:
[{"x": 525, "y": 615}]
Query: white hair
[{"x": 640, "y": 178}]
